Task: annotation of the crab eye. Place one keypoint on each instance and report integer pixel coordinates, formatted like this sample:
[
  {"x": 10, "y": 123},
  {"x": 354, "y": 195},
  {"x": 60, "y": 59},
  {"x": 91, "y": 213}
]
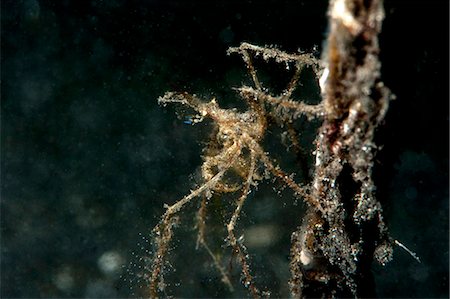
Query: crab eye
[
  {"x": 188, "y": 120},
  {"x": 192, "y": 119}
]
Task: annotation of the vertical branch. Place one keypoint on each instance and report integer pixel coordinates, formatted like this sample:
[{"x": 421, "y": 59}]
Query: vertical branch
[{"x": 355, "y": 101}]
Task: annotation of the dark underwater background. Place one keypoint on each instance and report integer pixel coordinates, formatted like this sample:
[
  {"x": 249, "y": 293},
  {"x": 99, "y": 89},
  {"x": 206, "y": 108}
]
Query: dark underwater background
[{"x": 88, "y": 158}]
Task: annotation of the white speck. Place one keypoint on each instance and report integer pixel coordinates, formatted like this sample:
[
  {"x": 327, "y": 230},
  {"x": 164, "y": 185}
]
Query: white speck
[
  {"x": 305, "y": 258},
  {"x": 346, "y": 128},
  {"x": 261, "y": 236},
  {"x": 341, "y": 11},
  {"x": 110, "y": 262},
  {"x": 316, "y": 184},
  {"x": 64, "y": 280},
  {"x": 323, "y": 79},
  {"x": 318, "y": 160}
]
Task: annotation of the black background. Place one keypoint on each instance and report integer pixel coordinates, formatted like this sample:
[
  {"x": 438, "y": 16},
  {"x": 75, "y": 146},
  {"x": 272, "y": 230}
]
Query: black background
[{"x": 88, "y": 157}]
